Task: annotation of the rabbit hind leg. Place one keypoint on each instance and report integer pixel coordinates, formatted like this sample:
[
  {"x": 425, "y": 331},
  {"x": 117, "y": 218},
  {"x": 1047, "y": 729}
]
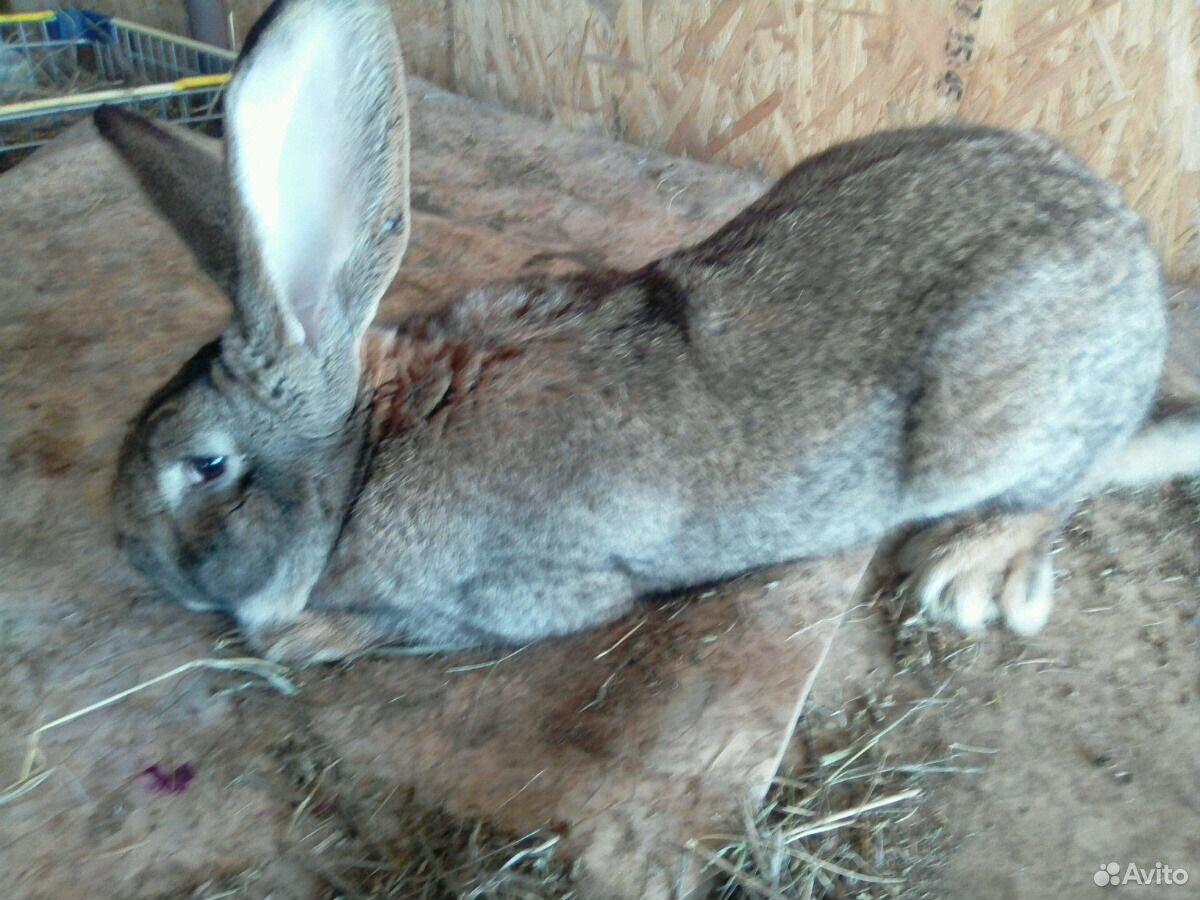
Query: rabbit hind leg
[
  {"x": 1016, "y": 403},
  {"x": 997, "y": 479}
]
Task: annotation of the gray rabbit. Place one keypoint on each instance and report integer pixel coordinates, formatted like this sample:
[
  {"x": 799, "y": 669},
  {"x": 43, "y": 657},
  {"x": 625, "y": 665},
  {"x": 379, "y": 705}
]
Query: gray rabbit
[{"x": 952, "y": 325}]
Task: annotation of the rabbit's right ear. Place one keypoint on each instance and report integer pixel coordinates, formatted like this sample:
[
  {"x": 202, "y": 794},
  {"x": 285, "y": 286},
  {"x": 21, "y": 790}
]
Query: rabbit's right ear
[{"x": 317, "y": 158}]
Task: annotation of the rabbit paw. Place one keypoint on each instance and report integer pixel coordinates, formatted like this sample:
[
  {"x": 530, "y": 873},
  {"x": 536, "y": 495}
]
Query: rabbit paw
[
  {"x": 970, "y": 574},
  {"x": 310, "y": 640}
]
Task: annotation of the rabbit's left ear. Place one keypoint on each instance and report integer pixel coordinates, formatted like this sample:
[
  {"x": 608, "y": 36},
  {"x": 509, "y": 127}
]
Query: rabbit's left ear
[
  {"x": 317, "y": 157},
  {"x": 185, "y": 183}
]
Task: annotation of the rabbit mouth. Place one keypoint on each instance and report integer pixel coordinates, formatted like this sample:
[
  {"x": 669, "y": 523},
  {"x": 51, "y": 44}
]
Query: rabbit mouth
[{"x": 279, "y": 602}]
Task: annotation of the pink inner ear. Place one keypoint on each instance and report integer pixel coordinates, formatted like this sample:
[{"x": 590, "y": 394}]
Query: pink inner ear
[
  {"x": 296, "y": 162},
  {"x": 310, "y": 318}
]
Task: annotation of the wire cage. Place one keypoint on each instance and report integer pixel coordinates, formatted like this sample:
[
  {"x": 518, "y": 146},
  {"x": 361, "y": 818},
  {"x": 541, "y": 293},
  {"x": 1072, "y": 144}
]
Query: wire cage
[{"x": 58, "y": 66}]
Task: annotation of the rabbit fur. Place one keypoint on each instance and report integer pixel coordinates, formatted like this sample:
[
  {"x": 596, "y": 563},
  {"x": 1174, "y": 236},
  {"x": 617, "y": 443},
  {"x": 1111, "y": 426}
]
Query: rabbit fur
[{"x": 950, "y": 324}]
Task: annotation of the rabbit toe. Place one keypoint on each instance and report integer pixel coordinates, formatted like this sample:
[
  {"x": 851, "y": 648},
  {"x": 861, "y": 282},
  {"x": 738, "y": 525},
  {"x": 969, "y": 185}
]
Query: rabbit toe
[
  {"x": 983, "y": 572},
  {"x": 953, "y": 592},
  {"x": 1028, "y": 593}
]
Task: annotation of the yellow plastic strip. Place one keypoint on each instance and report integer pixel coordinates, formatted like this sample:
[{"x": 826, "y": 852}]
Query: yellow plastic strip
[
  {"x": 95, "y": 98},
  {"x": 14, "y": 18},
  {"x": 201, "y": 81}
]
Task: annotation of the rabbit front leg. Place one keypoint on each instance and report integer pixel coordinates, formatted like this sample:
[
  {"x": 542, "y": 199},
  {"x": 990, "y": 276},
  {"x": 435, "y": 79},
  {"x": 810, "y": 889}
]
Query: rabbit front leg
[
  {"x": 535, "y": 599},
  {"x": 318, "y": 636},
  {"x": 502, "y": 608}
]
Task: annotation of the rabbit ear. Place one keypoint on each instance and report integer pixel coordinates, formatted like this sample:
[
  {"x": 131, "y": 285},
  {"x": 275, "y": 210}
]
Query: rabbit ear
[
  {"x": 317, "y": 157},
  {"x": 184, "y": 182}
]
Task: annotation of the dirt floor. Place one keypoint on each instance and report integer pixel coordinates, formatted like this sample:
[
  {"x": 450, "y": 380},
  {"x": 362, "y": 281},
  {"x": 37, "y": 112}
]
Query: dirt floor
[
  {"x": 1076, "y": 748},
  {"x": 1010, "y": 768}
]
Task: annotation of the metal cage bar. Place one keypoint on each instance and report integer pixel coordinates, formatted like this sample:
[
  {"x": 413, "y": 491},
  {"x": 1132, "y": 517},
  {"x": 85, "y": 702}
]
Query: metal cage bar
[{"x": 64, "y": 64}]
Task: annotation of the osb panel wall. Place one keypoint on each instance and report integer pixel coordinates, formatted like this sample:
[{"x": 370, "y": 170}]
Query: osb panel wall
[{"x": 766, "y": 82}]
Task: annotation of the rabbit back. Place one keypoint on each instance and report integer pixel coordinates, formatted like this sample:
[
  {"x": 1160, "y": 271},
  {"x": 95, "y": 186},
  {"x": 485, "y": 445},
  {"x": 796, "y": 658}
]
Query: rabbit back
[{"x": 993, "y": 294}]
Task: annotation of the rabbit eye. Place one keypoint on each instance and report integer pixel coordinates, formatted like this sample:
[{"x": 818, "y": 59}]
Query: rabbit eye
[{"x": 204, "y": 469}]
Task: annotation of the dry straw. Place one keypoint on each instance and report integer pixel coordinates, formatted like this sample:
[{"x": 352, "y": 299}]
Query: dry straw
[{"x": 273, "y": 674}]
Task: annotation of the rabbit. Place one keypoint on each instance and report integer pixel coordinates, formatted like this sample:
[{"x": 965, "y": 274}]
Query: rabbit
[{"x": 951, "y": 326}]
